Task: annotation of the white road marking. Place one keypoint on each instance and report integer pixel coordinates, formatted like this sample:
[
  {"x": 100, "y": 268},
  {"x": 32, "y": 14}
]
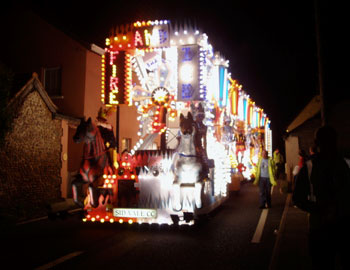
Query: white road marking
[
  {"x": 261, "y": 224},
  {"x": 276, "y": 248},
  {"x": 59, "y": 260}
]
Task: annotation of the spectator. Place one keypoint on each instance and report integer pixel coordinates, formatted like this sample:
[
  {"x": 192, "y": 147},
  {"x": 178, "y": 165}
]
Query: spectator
[
  {"x": 322, "y": 190},
  {"x": 279, "y": 162}
]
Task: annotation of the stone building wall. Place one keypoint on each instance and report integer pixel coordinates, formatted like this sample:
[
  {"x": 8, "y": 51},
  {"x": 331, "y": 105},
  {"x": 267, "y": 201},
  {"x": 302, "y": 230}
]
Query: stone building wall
[{"x": 30, "y": 160}]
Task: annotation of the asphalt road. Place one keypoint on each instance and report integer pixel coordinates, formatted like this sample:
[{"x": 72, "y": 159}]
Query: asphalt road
[{"x": 226, "y": 239}]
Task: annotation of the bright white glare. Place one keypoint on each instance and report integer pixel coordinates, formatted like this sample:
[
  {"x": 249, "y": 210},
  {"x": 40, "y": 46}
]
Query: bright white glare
[{"x": 186, "y": 73}]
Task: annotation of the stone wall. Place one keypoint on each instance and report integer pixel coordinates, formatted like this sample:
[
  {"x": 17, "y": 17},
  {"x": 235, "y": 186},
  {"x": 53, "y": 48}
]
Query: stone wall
[{"x": 30, "y": 160}]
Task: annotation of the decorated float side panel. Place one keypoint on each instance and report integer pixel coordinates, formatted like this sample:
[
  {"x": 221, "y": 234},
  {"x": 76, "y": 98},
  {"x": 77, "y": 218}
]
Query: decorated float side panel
[{"x": 188, "y": 70}]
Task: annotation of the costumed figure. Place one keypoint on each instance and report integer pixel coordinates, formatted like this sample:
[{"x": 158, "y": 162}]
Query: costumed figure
[
  {"x": 201, "y": 140},
  {"x": 261, "y": 141},
  {"x": 240, "y": 139},
  {"x": 107, "y": 134},
  {"x": 186, "y": 163},
  {"x": 227, "y": 132},
  {"x": 94, "y": 165}
]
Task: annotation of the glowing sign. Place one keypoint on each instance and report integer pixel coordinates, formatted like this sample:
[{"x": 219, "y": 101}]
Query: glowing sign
[
  {"x": 134, "y": 213},
  {"x": 151, "y": 36},
  {"x": 113, "y": 77}
]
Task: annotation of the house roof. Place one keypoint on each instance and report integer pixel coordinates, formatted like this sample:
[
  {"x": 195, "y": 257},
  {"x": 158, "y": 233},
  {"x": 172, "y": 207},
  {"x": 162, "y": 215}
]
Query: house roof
[
  {"x": 309, "y": 111},
  {"x": 34, "y": 84}
]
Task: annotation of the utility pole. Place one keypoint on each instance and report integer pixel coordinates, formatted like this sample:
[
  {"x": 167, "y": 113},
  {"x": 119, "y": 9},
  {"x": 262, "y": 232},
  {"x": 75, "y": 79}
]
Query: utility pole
[{"x": 319, "y": 63}]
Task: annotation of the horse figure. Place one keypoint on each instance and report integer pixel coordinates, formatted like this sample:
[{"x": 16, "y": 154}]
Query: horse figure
[
  {"x": 95, "y": 161},
  {"x": 186, "y": 163}
]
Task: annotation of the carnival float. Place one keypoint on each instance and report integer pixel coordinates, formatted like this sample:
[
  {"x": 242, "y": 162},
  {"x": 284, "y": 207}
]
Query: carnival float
[{"x": 209, "y": 129}]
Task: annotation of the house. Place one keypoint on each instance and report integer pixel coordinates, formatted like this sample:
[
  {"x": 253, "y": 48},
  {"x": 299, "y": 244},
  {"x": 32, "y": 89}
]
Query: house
[
  {"x": 33, "y": 158},
  {"x": 69, "y": 69},
  {"x": 301, "y": 131}
]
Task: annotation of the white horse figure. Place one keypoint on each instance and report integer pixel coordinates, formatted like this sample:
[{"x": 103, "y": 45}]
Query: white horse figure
[{"x": 186, "y": 166}]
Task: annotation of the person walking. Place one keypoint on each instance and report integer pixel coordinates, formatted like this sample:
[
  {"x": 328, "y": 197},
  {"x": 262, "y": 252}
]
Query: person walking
[
  {"x": 265, "y": 178},
  {"x": 321, "y": 189},
  {"x": 279, "y": 162}
]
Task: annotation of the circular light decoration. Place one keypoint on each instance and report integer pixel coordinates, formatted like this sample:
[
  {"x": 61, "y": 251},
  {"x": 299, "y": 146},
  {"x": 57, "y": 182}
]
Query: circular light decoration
[
  {"x": 160, "y": 96},
  {"x": 155, "y": 172},
  {"x": 154, "y": 89}
]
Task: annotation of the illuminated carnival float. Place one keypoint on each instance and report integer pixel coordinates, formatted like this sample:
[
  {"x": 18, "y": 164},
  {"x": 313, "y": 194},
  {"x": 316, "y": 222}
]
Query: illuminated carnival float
[{"x": 206, "y": 127}]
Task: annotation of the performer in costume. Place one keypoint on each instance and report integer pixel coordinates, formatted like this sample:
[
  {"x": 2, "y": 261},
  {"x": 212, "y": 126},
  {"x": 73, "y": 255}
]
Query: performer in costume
[
  {"x": 201, "y": 139},
  {"x": 107, "y": 134},
  {"x": 240, "y": 140},
  {"x": 227, "y": 132}
]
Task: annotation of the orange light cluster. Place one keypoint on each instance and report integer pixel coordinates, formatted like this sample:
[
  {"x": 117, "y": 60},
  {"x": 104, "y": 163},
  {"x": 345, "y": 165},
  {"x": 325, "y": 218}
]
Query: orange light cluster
[
  {"x": 109, "y": 180},
  {"x": 143, "y": 23},
  {"x": 107, "y": 217},
  {"x": 234, "y": 92},
  {"x": 120, "y": 41},
  {"x": 103, "y": 78}
]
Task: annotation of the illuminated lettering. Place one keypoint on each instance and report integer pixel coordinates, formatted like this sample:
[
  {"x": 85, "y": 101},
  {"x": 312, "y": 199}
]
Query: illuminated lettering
[
  {"x": 113, "y": 84},
  {"x": 135, "y": 213},
  {"x": 187, "y": 91},
  {"x": 112, "y": 57},
  {"x": 163, "y": 36},
  {"x": 147, "y": 37},
  {"x": 114, "y": 71},
  {"x": 188, "y": 55},
  {"x": 155, "y": 38},
  {"x": 138, "y": 38}
]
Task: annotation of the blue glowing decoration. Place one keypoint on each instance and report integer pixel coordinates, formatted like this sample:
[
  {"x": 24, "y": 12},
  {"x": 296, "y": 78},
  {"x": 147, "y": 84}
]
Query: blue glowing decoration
[
  {"x": 186, "y": 91},
  {"x": 245, "y": 109},
  {"x": 223, "y": 86},
  {"x": 163, "y": 36},
  {"x": 188, "y": 70}
]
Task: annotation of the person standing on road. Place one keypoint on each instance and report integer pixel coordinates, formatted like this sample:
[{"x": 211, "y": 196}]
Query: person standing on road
[
  {"x": 265, "y": 178},
  {"x": 279, "y": 162},
  {"x": 322, "y": 189}
]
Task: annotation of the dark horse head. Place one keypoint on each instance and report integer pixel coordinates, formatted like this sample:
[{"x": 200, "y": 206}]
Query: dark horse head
[
  {"x": 186, "y": 124},
  {"x": 84, "y": 131}
]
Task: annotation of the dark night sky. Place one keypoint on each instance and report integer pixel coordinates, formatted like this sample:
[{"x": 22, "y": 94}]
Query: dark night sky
[{"x": 271, "y": 45}]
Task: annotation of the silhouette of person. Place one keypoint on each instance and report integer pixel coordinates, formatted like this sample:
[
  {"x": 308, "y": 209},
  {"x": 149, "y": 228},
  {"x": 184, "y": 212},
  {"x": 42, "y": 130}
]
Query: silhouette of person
[
  {"x": 322, "y": 190},
  {"x": 279, "y": 162}
]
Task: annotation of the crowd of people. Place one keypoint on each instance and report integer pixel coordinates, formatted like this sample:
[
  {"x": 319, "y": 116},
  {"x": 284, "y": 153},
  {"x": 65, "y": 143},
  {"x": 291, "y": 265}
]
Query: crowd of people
[
  {"x": 321, "y": 182},
  {"x": 321, "y": 189},
  {"x": 321, "y": 185}
]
